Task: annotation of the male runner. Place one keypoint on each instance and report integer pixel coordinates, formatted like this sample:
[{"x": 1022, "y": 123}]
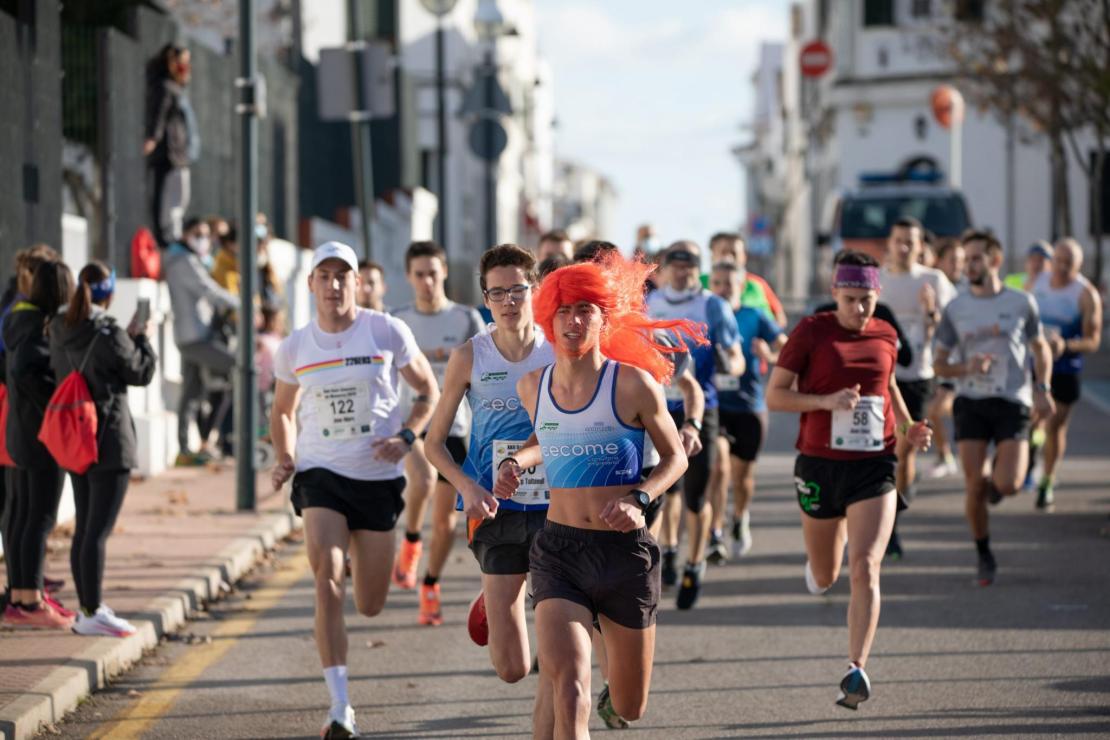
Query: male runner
[
  {"x": 336, "y": 425},
  {"x": 555, "y": 242},
  {"x": 757, "y": 293},
  {"x": 439, "y": 326},
  {"x": 950, "y": 260},
  {"x": 485, "y": 370},
  {"x": 994, "y": 329},
  {"x": 916, "y": 294},
  {"x": 743, "y": 410},
  {"x": 837, "y": 370},
  {"x": 1038, "y": 260},
  {"x": 371, "y": 293},
  {"x": 1072, "y": 314},
  {"x": 682, "y": 297}
]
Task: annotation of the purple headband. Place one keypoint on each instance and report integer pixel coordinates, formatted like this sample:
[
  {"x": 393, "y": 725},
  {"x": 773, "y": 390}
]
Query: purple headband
[{"x": 856, "y": 276}]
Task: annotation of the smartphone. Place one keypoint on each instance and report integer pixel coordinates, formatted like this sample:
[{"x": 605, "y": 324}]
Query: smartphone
[{"x": 142, "y": 312}]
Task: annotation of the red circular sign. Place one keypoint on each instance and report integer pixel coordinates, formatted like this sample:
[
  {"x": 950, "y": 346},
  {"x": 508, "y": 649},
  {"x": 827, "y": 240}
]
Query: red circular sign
[{"x": 815, "y": 59}]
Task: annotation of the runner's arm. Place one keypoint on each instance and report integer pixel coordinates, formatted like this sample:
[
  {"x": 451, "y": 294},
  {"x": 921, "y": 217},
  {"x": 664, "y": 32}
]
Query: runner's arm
[
  {"x": 946, "y": 369},
  {"x": 651, "y": 409},
  {"x": 418, "y": 374},
  {"x": 781, "y": 395},
  {"x": 1091, "y": 306},
  {"x": 693, "y": 397},
  {"x": 283, "y": 429}
]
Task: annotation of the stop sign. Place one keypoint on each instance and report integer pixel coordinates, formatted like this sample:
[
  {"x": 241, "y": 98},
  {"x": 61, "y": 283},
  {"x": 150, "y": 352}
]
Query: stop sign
[{"x": 815, "y": 59}]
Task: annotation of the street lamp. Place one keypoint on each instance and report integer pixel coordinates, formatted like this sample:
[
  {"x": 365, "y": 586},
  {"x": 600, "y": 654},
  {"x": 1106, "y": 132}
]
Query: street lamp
[
  {"x": 490, "y": 25},
  {"x": 440, "y": 8}
]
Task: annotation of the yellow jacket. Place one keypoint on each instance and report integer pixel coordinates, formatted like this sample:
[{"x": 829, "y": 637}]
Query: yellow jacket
[{"x": 225, "y": 271}]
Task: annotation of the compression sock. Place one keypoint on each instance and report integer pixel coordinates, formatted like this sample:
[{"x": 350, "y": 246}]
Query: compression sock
[
  {"x": 336, "y": 678},
  {"x": 983, "y": 546},
  {"x": 430, "y": 580}
]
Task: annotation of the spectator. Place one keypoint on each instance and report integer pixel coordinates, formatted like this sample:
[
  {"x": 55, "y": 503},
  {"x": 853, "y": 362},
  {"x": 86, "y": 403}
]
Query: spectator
[
  {"x": 225, "y": 267},
  {"x": 37, "y": 479},
  {"x": 87, "y": 339},
  {"x": 269, "y": 287},
  {"x": 172, "y": 140},
  {"x": 371, "y": 292},
  {"x": 555, "y": 242},
  {"x": 205, "y": 356}
]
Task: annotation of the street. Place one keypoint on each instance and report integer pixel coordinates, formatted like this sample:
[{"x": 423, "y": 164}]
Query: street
[{"x": 758, "y": 656}]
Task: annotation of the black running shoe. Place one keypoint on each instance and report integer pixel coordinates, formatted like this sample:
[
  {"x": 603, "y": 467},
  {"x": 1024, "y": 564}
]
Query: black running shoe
[
  {"x": 669, "y": 572},
  {"x": 894, "y": 546},
  {"x": 717, "y": 554},
  {"x": 691, "y": 586},
  {"x": 606, "y": 712},
  {"x": 987, "y": 569},
  {"x": 855, "y": 687},
  {"x": 1046, "y": 500}
]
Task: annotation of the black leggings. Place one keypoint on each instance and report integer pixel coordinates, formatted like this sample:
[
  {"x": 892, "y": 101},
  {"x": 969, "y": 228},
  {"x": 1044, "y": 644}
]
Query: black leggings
[
  {"x": 696, "y": 479},
  {"x": 98, "y": 497},
  {"x": 36, "y": 493}
]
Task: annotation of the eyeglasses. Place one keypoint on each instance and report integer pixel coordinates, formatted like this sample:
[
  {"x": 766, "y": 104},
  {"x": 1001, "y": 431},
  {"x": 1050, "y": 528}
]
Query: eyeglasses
[{"x": 498, "y": 295}]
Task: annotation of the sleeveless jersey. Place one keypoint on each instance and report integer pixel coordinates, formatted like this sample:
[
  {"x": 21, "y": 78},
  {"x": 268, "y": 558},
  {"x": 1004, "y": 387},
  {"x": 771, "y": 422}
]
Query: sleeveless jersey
[
  {"x": 350, "y": 392},
  {"x": 499, "y": 422},
  {"x": 1060, "y": 313},
  {"x": 590, "y": 446}
]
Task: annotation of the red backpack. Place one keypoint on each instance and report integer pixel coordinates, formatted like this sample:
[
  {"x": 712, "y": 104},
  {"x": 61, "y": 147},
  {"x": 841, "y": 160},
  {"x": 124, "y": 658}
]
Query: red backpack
[
  {"x": 69, "y": 425},
  {"x": 5, "y": 459}
]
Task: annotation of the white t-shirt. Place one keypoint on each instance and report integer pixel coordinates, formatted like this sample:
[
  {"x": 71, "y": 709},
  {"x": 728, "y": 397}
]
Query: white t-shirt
[
  {"x": 350, "y": 392},
  {"x": 902, "y": 292}
]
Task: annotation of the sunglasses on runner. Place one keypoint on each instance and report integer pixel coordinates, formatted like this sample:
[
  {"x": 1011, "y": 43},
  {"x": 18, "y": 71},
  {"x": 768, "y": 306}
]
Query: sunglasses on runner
[{"x": 498, "y": 295}]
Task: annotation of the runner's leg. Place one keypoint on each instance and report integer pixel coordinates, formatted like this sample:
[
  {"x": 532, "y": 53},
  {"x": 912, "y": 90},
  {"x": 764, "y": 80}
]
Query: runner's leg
[
  {"x": 508, "y": 632},
  {"x": 869, "y": 525},
  {"x": 632, "y": 652},
  {"x": 371, "y": 563},
  {"x": 563, "y": 631},
  {"x": 444, "y": 519},
  {"x": 973, "y": 453},
  {"x": 420, "y": 478},
  {"x": 743, "y": 484},
  {"x": 1010, "y": 458},
  {"x": 824, "y": 540},
  {"x": 1056, "y": 439},
  {"x": 326, "y": 538},
  {"x": 718, "y": 486}
]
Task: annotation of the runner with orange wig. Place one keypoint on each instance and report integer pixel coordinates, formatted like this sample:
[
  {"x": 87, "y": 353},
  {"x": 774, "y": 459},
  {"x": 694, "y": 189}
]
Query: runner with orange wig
[{"x": 594, "y": 557}]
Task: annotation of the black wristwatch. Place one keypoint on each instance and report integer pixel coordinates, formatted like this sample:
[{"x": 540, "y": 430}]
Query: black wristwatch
[
  {"x": 694, "y": 423},
  {"x": 407, "y": 436},
  {"x": 642, "y": 499}
]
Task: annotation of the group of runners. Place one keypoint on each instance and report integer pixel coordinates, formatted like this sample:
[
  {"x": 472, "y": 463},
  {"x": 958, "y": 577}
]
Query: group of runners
[{"x": 602, "y": 400}]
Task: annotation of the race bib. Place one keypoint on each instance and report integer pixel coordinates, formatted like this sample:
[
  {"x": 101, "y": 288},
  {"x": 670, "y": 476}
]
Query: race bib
[
  {"x": 726, "y": 382},
  {"x": 992, "y": 382},
  {"x": 343, "y": 410},
  {"x": 860, "y": 429},
  {"x": 533, "y": 484}
]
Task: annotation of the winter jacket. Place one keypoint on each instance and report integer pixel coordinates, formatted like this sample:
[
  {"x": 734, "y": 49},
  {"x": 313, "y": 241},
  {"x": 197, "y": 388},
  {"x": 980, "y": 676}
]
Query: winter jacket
[
  {"x": 194, "y": 295},
  {"x": 115, "y": 362},
  {"x": 30, "y": 381},
  {"x": 173, "y": 125}
]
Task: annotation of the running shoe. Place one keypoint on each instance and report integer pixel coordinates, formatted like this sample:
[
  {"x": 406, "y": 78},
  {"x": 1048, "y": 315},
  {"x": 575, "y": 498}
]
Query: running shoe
[
  {"x": 741, "y": 535},
  {"x": 52, "y": 585},
  {"x": 103, "y": 622},
  {"x": 67, "y": 613},
  {"x": 431, "y": 614},
  {"x": 691, "y": 585},
  {"x": 476, "y": 623},
  {"x": 606, "y": 712},
  {"x": 717, "y": 553},
  {"x": 340, "y": 724},
  {"x": 404, "y": 572},
  {"x": 669, "y": 572},
  {"x": 1046, "y": 500},
  {"x": 894, "y": 546},
  {"x": 855, "y": 687},
  {"x": 811, "y": 583},
  {"x": 987, "y": 568},
  {"x": 944, "y": 467},
  {"x": 45, "y": 617},
  {"x": 186, "y": 459}
]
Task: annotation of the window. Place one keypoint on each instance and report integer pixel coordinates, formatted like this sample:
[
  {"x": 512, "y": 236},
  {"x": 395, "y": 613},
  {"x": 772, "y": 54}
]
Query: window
[
  {"x": 921, "y": 8},
  {"x": 970, "y": 11},
  {"x": 878, "y": 13}
]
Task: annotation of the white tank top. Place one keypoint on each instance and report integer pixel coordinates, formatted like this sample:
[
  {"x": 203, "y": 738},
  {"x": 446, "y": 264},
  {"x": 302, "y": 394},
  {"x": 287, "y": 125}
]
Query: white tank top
[{"x": 349, "y": 392}]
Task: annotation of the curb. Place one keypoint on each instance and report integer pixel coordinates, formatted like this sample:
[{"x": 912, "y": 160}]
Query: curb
[{"x": 106, "y": 657}]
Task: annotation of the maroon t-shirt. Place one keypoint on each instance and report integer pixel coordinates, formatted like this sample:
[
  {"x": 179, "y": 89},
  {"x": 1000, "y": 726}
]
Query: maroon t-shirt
[{"x": 828, "y": 358}]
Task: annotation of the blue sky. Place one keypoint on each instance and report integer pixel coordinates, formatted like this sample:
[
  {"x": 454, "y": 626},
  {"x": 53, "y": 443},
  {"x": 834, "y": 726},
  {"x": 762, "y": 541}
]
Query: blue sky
[{"x": 654, "y": 95}]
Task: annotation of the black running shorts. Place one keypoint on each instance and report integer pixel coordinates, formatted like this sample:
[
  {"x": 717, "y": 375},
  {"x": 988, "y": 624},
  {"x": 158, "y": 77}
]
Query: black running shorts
[
  {"x": 501, "y": 545},
  {"x": 744, "y": 431},
  {"x": 367, "y": 504},
  {"x": 916, "y": 394},
  {"x": 694, "y": 482},
  {"x": 990, "y": 419},
  {"x": 615, "y": 574},
  {"x": 826, "y": 488},
  {"x": 1066, "y": 388}
]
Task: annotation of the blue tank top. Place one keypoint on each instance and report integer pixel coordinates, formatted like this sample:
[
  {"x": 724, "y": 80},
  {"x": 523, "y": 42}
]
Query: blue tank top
[
  {"x": 1061, "y": 313},
  {"x": 499, "y": 422},
  {"x": 591, "y": 446}
]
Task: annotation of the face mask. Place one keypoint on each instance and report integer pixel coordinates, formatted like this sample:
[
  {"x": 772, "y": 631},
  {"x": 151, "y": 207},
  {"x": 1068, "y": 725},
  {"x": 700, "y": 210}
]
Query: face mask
[
  {"x": 260, "y": 231},
  {"x": 201, "y": 245},
  {"x": 678, "y": 295},
  {"x": 650, "y": 245}
]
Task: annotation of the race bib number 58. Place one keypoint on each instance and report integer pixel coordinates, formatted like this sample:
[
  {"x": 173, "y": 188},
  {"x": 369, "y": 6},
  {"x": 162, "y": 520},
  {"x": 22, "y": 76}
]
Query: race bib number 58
[{"x": 860, "y": 429}]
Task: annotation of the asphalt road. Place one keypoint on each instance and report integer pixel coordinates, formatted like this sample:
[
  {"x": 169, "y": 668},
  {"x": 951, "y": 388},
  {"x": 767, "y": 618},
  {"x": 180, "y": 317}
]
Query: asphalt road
[{"x": 1029, "y": 656}]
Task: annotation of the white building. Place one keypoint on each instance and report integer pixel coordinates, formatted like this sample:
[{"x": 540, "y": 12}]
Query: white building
[
  {"x": 584, "y": 202},
  {"x": 872, "y": 112}
]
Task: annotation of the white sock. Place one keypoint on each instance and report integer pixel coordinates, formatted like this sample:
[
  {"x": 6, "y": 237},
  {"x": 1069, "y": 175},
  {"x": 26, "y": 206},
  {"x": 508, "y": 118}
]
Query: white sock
[
  {"x": 811, "y": 583},
  {"x": 336, "y": 678}
]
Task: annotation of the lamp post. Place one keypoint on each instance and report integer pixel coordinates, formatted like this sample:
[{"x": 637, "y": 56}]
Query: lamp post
[
  {"x": 440, "y": 8},
  {"x": 490, "y": 24}
]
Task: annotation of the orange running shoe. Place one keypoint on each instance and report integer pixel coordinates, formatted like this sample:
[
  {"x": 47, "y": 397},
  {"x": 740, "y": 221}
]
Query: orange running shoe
[
  {"x": 404, "y": 572},
  {"x": 430, "y": 612},
  {"x": 476, "y": 623}
]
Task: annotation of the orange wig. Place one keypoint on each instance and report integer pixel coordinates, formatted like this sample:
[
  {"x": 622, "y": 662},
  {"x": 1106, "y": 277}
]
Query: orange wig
[{"x": 616, "y": 286}]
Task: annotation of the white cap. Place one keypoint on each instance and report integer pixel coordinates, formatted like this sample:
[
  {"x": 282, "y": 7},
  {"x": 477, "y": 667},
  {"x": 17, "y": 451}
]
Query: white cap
[{"x": 334, "y": 250}]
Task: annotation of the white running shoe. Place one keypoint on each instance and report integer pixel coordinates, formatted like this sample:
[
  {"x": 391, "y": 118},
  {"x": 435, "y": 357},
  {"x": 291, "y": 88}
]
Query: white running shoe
[
  {"x": 340, "y": 724},
  {"x": 103, "y": 622},
  {"x": 811, "y": 583},
  {"x": 944, "y": 468},
  {"x": 741, "y": 536}
]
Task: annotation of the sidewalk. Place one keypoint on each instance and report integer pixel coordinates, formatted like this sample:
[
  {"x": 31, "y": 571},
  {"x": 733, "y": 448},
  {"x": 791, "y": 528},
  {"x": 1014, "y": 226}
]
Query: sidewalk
[{"x": 177, "y": 540}]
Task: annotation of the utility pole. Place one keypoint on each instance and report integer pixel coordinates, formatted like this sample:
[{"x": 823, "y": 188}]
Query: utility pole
[
  {"x": 441, "y": 135},
  {"x": 360, "y": 129},
  {"x": 246, "y": 422}
]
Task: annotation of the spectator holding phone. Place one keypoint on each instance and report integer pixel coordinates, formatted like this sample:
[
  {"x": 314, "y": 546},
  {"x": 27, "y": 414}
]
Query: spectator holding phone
[{"x": 87, "y": 339}]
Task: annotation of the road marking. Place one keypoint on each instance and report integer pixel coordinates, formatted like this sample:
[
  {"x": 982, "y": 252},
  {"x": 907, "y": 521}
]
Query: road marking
[{"x": 160, "y": 697}]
